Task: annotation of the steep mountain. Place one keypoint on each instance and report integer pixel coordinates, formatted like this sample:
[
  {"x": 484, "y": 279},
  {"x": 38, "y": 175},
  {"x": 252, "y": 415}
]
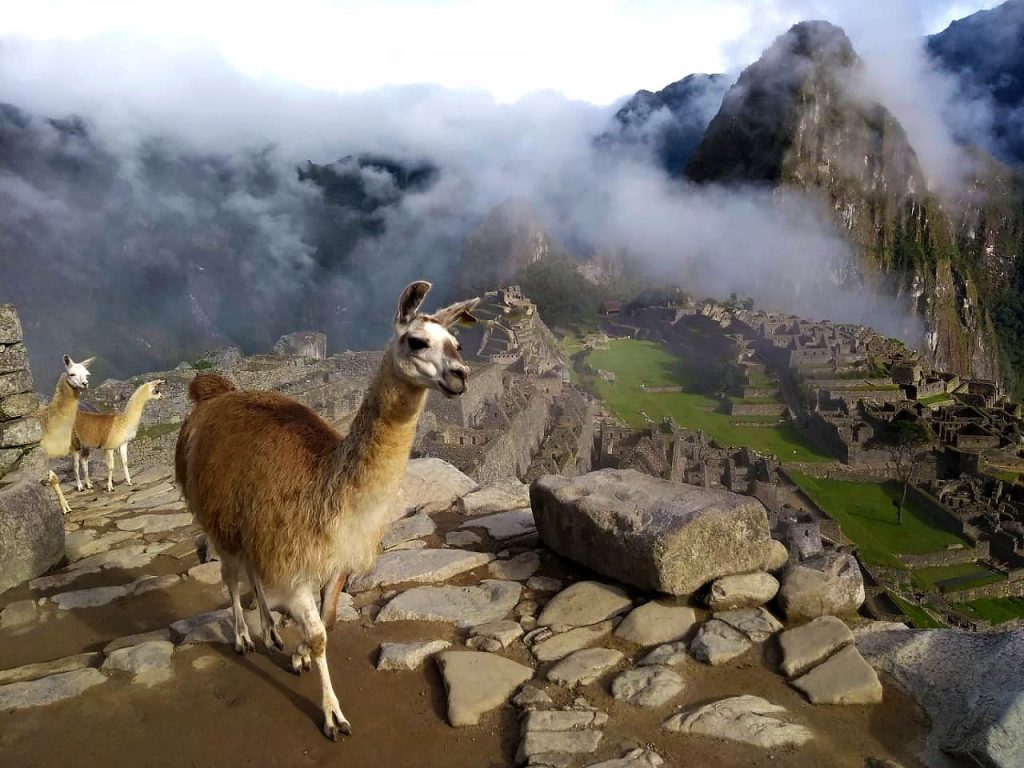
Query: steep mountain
[
  {"x": 985, "y": 52},
  {"x": 510, "y": 238},
  {"x": 794, "y": 119},
  {"x": 668, "y": 123},
  {"x": 152, "y": 256}
]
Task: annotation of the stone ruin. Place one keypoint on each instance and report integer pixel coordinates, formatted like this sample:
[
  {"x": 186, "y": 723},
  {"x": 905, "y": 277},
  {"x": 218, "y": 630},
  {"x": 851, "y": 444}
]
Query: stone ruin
[
  {"x": 311, "y": 344},
  {"x": 31, "y": 524}
]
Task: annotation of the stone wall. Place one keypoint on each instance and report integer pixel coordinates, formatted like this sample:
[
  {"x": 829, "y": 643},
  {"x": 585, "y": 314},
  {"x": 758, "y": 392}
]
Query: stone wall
[
  {"x": 510, "y": 453},
  {"x": 943, "y": 557},
  {"x": 756, "y": 409},
  {"x": 20, "y": 430},
  {"x": 31, "y": 523}
]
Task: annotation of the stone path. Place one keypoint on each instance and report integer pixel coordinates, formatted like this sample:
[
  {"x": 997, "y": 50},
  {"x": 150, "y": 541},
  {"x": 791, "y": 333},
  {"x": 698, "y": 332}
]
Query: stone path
[{"x": 510, "y": 625}]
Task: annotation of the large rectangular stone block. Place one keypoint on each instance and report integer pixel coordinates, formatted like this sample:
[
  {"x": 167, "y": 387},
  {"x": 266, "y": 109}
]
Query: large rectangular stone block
[
  {"x": 10, "y": 325},
  {"x": 15, "y": 383},
  {"x": 655, "y": 534},
  {"x": 19, "y": 432},
  {"x": 31, "y": 532},
  {"x": 13, "y": 357},
  {"x": 16, "y": 406}
]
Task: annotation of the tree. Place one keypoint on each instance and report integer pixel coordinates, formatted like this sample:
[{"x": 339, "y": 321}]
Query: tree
[{"x": 907, "y": 440}]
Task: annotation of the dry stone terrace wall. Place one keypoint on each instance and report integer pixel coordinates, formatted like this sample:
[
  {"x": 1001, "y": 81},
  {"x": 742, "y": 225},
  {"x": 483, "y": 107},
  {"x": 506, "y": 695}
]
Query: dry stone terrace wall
[{"x": 20, "y": 430}]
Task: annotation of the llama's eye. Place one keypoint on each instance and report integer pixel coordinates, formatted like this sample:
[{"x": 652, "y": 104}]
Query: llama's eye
[{"x": 416, "y": 343}]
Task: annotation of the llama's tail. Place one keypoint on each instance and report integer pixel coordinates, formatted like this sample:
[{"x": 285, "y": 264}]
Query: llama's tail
[{"x": 206, "y": 386}]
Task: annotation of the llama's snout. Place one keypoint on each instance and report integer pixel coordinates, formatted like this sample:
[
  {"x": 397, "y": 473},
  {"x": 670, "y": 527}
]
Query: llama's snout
[{"x": 453, "y": 383}]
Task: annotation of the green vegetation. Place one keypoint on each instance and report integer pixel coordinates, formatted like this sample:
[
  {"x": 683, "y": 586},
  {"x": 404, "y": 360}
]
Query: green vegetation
[
  {"x": 564, "y": 297},
  {"x": 996, "y": 610},
  {"x": 953, "y": 578},
  {"x": 1002, "y": 474},
  {"x": 646, "y": 362},
  {"x": 942, "y": 397},
  {"x": 918, "y": 616},
  {"x": 867, "y": 514},
  {"x": 202, "y": 365}
]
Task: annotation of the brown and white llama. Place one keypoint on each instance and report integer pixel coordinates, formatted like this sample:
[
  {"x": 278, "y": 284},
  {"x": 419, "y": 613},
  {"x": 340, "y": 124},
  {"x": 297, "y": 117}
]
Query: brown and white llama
[
  {"x": 110, "y": 432},
  {"x": 58, "y": 419},
  {"x": 284, "y": 498}
]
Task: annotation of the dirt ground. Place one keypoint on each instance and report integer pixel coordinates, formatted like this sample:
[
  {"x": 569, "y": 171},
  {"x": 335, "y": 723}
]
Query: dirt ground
[{"x": 222, "y": 709}]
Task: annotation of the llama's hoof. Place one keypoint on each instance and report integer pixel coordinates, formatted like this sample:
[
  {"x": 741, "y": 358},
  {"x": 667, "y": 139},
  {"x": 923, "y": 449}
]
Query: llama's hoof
[
  {"x": 88, "y": 486},
  {"x": 333, "y": 725},
  {"x": 244, "y": 645},
  {"x": 301, "y": 662},
  {"x": 272, "y": 640},
  {"x": 79, "y": 488}
]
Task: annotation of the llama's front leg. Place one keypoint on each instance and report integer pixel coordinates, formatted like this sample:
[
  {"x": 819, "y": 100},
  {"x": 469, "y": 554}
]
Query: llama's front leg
[
  {"x": 85, "y": 468},
  {"x": 76, "y": 459},
  {"x": 304, "y": 610},
  {"x": 229, "y": 573},
  {"x": 110, "y": 470},
  {"x": 51, "y": 478},
  {"x": 123, "y": 450}
]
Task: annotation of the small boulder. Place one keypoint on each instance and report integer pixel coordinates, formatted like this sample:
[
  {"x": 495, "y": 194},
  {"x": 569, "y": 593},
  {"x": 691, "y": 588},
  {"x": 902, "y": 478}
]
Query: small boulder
[
  {"x": 560, "y": 645},
  {"x": 519, "y": 568},
  {"x": 477, "y": 683},
  {"x": 584, "y": 603},
  {"x": 433, "y": 485},
  {"x": 583, "y": 667},
  {"x": 844, "y": 679},
  {"x": 655, "y": 623},
  {"x": 756, "y": 623},
  {"x": 394, "y": 656},
  {"x": 418, "y": 565},
  {"x": 668, "y": 655},
  {"x": 807, "y": 646},
  {"x": 501, "y": 634},
  {"x": 748, "y": 590},
  {"x": 503, "y": 496},
  {"x": 148, "y": 663},
  {"x": 635, "y": 758},
  {"x": 648, "y": 687},
  {"x": 830, "y": 584},
  {"x": 48, "y": 690},
  {"x": 746, "y": 719},
  {"x": 462, "y": 606},
  {"x": 776, "y": 556},
  {"x": 717, "y": 643},
  {"x": 31, "y": 530}
]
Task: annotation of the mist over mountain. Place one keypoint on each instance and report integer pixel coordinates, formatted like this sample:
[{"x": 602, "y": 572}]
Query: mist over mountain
[
  {"x": 985, "y": 53},
  {"x": 149, "y": 213}
]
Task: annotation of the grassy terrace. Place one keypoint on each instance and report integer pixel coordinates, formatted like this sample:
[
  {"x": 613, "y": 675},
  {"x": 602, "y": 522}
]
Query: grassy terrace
[
  {"x": 997, "y": 610},
  {"x": 646, "y": 362},
  {"x": 918, "y": 616},
  {"x": 953, "y": 578},
  {"x": 867, "y": 516}
]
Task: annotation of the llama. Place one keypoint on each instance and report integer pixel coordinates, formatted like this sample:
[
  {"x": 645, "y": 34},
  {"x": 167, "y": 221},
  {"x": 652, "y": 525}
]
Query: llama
[
  {"x": 292, "y": 504},
  {"x": 111, "y": 432},
  {"x": 58, "y": 419}
]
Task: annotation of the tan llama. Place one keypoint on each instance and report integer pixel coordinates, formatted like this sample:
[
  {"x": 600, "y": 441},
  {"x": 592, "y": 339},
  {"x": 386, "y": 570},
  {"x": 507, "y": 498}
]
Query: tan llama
[
  {"x": 292, "y": 504},
  {"x": 58, "y": 419},
  {"x": 111, "y": 432}
]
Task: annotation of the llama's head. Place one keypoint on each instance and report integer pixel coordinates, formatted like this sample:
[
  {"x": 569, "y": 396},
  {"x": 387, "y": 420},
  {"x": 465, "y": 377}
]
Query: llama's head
[
  {"x": 424, "y": 351},
  {"x": 153, "y": 389},
  {"x": 77, "y": 373}
]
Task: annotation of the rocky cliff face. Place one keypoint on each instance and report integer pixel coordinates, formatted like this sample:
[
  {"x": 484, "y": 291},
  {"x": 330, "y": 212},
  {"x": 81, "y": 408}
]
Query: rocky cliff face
[
  {"x": 668, "y": 123},
  {"x": 985, "y": 53},
  {"x": 795, "y": 118}
]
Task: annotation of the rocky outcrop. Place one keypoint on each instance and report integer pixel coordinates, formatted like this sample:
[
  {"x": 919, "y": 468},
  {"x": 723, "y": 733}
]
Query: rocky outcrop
[
  {"x": 968, "y": 683},
  {"x": 828, "y": 584},
  {"x": 652, "y": 533}
]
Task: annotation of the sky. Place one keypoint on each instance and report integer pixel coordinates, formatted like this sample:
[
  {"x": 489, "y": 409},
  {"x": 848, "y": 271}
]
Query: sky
[{"x": 595, "y": 51}]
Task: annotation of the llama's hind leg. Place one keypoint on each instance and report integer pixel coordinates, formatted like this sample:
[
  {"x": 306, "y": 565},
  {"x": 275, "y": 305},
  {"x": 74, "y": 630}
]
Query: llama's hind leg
[
  {"x": 85, "y": 468},
  {"x": 271, "y": 637},
  {"x": 303, "y": 609},
  {"x": 229, "y": 573}
]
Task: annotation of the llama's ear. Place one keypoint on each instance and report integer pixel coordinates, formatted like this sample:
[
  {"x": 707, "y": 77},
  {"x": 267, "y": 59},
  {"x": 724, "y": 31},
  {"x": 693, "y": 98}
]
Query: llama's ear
[
  {"x": 409, "y": 304},
  {"x": 457, "y": 313},
  {"x": 68, "y": 362},
  {"x": 88, "y": 362}
]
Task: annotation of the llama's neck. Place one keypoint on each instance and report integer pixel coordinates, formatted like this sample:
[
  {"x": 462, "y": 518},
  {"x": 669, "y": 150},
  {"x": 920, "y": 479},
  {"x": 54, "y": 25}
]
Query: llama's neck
[
  {"x": 374, "y": 454},
  {"x": 129, "y": 420},
  {"x": 60, "y": 419}
]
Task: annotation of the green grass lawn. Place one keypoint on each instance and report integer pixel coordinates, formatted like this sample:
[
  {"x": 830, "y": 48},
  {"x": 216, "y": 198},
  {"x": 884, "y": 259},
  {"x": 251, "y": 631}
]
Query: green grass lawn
[
  {"x": 953, "y": 578},
  {"x": 918, "y": 616},
  {"x": 942, "y": 397},
  {"x": 867, "y": 516},
  {"x": 996, "y": 610},
  {"x": 1002, "y": 474},
  {"x": 647, "y": 362}
]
